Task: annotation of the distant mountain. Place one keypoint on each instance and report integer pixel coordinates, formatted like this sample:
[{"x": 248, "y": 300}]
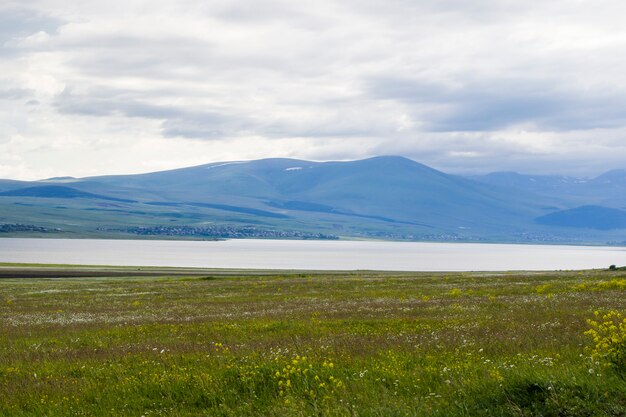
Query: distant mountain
[
  {"x": 616, "y": 177},
  {"x": 608, "y": 189},
  {"x": 390, "y": 189},
  {"x": 593, "y": 217},
  {"x": 386, "y": 197}
]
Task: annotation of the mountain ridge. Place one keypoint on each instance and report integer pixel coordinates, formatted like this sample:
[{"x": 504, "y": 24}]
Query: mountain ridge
[{"x": 388, "y": 197}]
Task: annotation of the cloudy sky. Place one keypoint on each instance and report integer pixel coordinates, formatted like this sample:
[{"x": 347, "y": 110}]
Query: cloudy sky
[{"x": 93, "y": 87}]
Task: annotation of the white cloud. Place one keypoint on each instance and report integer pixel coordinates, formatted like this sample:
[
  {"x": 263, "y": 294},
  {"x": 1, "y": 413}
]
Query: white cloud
[{"x": 112, "y": 87}]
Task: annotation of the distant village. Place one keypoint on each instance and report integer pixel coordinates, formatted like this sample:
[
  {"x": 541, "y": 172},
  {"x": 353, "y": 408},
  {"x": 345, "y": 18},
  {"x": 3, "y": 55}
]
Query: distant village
[{"x": 226, "y": 232}]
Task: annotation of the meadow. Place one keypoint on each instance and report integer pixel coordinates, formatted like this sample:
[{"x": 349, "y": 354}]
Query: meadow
[{"x": 246, "y": 343}]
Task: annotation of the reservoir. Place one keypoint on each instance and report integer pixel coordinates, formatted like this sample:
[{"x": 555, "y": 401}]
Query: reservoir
[{"x": 310, "y": 254}]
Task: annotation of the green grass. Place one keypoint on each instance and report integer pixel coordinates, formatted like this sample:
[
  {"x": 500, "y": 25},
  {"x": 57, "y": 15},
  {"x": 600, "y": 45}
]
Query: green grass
[{"x": 308, "y": 344}]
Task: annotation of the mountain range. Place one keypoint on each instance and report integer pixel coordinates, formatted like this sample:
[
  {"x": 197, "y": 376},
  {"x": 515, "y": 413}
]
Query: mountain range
[{"x": 387, "y": 197}]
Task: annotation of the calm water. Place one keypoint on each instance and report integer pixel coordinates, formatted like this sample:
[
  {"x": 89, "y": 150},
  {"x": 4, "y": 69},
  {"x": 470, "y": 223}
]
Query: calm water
[{"x": 338, "y": 255}]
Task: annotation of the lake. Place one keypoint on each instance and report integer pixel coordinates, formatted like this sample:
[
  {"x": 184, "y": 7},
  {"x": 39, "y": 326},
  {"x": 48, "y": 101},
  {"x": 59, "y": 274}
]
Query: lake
[{"x": 321, "y": 255}]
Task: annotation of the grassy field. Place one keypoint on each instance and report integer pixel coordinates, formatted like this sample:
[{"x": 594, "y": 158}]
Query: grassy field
[{"x": 235, "y": 343}]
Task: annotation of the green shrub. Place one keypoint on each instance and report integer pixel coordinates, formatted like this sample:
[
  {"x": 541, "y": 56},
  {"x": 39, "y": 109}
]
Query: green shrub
[{"x": 608, "y": 332}]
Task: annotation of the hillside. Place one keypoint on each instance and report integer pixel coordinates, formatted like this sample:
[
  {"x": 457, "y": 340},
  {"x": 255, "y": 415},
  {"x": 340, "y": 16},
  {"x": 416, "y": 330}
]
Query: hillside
[
  {"x": 383, "y": 197},
  {"x": 592, "y": 217}
]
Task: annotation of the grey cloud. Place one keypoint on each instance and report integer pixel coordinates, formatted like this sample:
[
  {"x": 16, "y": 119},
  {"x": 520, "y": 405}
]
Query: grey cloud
[
  {"x": 175, "y": 121},
  {"x": 202, "y": 123},
  {"x": 271, "y": 11},
  {"x": 441, "y": 81},
  {"x": 20, "y": 22},
  {"x": 176, "y": 128},
  {"x": 107, "y": 103},
  {"x": 554, "y": 110},
  {"x": 488, "y": 105},
  {"x": 15, "y": 93}
]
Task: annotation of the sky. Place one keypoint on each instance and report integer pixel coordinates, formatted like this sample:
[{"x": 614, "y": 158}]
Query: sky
[{"x": 107, "y": 87}]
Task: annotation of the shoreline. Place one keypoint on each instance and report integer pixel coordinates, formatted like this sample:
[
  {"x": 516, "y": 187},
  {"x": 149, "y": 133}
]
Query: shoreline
[{"x": 34, "y": 270}]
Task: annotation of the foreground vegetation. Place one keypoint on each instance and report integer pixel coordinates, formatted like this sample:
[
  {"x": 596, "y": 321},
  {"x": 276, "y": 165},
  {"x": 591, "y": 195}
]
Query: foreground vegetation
[{"x": 322, "y": 344}]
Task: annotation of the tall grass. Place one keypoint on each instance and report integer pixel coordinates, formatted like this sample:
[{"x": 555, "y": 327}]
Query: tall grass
[{"x": 354, "y": 344}]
